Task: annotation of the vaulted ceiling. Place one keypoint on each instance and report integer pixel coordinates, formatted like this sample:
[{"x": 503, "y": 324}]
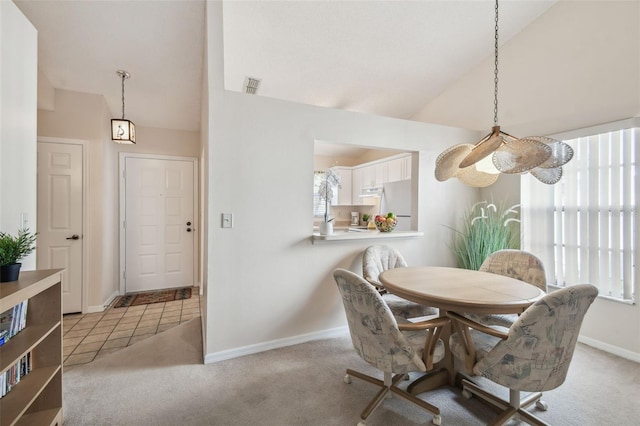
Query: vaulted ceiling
[{"x": 388, "y": 58}]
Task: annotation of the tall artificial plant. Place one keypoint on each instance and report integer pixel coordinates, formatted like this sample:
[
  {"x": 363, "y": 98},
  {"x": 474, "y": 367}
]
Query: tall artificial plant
[{"x": 486, "y": 228}]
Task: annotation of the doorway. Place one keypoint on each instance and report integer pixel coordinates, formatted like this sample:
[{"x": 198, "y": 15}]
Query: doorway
[
  {"x": 158, "y": 206},
  {"x": 61, "y": 215}
]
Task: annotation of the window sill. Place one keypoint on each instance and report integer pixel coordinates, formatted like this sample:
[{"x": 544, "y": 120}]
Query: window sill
[{"x": 367, "y": 235}]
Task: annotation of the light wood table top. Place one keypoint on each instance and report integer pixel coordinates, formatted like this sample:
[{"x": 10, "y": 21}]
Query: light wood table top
[{"x": 461, "y": 290}]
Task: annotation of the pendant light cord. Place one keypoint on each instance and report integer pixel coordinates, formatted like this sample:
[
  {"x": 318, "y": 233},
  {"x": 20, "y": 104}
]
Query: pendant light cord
[
  {"x": 495, "y": 73},
  {"x": 123, "y": 77}
]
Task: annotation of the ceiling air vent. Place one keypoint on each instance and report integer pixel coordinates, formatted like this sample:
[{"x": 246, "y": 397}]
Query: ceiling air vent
[{"x": 250, "y": 85}]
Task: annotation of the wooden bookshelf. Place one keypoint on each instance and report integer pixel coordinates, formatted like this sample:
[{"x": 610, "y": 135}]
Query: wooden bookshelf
[{"x": 37, "y": 398}]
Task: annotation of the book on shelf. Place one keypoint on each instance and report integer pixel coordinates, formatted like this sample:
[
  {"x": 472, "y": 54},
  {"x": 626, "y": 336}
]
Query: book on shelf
[
  {"x": 12, "y": 376},
  {"x": 12, "y": 321}
]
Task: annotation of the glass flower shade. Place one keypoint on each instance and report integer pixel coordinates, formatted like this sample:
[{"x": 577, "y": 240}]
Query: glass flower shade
[
  {"x": 448, "y": 162},
  {"x": 521, "y": 155},
  {"x": 561, "y": 152},
  {"x": 548, "y": 176}
]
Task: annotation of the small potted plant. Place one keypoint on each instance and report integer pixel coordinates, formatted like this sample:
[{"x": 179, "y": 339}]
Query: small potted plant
[{"x": 13, "y": 249}]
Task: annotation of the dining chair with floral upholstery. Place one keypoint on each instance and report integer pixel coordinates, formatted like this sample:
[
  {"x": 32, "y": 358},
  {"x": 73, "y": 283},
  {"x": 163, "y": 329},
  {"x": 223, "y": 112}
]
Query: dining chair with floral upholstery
[
  {"x": 395, "y": 348},
  {"x": 375, "y": 260},
  {"x": 518, "y": 264},
  {"x": 533, "y": 356}
]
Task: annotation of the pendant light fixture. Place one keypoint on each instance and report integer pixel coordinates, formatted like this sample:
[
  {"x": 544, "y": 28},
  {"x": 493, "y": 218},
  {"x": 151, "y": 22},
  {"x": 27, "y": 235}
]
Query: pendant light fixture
[
  {"x": 123, "y": 131},
  {"x": 543, "y": 157}
]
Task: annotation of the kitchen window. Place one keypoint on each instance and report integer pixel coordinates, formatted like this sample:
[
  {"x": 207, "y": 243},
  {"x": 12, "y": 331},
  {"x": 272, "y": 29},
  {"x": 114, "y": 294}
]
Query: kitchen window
[{"x": 318, "y": 203}]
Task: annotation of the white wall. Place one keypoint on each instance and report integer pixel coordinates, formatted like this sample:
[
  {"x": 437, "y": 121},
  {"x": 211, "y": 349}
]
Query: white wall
[
  {"x": 267, "y": 283},
  {"x": 18, "y": 106}
]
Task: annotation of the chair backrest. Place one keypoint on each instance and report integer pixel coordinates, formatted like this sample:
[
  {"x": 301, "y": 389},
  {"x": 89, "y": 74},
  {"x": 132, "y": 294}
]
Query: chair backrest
[
  {"x": 378, "y": 258},
  {"x": 374, "y": 331},
  {"x": 537, "y": 352},
  {"x": 517, "y": 264}
]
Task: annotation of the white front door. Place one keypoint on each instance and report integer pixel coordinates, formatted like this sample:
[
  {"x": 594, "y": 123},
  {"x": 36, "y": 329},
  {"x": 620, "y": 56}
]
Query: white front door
[
  {"x": 60, "y": 216},
  {"x": 159, "y": 224}
]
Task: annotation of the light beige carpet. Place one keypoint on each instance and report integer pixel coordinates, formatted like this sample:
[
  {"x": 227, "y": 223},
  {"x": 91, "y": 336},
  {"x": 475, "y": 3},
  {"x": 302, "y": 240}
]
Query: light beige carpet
[{"x": 162, "y": 381}]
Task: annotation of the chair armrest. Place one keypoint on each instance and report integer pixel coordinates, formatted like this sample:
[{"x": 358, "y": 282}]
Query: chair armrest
[
  {"x": 477, "y": 326},
  {"x": 435, "y": 327},
  {"x": 423, "y": 325}
]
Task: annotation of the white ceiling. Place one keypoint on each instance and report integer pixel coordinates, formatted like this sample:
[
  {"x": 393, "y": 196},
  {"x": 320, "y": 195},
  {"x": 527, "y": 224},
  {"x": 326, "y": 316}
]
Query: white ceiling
[{"x": 388, "y": 58}]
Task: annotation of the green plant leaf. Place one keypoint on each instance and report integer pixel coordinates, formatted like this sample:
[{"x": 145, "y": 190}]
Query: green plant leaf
[
  {"x": 13, "y": 249},
  {"x": 486, "y": 228}
]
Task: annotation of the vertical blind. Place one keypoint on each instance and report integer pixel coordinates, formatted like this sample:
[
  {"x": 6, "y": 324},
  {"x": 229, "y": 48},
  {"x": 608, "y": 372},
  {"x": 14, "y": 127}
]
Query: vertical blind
[
  {"x": 318, "y": 202},
  {"x": 585, "y": 227}
]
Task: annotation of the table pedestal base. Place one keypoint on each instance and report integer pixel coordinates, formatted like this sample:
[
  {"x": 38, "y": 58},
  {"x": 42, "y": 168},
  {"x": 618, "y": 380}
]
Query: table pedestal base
[{"x": 429, "y": 381}]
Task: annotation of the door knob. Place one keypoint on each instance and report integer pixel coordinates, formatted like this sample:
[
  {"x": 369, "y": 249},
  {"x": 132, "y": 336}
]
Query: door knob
[
  {"x": 188, "y": 223},
  {"x": 74, "y": 237},
  {"x": 188, "y": 229}
]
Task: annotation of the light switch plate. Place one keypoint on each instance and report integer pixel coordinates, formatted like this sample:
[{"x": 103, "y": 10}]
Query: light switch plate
[{"x": 227, "y": 220}]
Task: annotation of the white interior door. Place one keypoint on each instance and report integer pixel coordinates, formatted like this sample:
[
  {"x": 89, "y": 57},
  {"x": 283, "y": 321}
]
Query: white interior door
[
  {"x": 159, "y": 224},
  {"x": 60, "y": 217}
]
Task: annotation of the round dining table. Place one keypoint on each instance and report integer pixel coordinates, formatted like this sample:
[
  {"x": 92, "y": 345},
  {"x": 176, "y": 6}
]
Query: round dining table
[{"x": 461, "y": 291}]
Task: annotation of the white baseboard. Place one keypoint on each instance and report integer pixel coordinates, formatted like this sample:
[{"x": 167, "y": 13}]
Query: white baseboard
[
  {"x": 274, "y": 344},
  {"x": 623, "y": 353},
  {"x": 101, "y": 308}
]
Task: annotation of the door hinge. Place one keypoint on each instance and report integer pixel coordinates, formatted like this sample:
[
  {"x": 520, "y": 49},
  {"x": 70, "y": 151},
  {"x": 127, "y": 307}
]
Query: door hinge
[
  {"x": 124, "y": 224},
  {"x": 124, "y": 274}
]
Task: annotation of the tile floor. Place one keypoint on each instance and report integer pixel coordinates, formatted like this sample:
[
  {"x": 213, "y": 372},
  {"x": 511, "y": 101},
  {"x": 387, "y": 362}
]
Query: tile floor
[{"x": 89, "y": 336}]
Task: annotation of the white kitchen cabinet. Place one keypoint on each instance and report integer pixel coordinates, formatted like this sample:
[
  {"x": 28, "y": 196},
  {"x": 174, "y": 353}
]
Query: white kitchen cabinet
[
  {"x": 368, "y": 176},
  {"x": 374, "y": 175},
  {"x": 356, "y": 185},
  {"x": 394, "y": 170},
  {"x": 345, "y": 187},
  {"x": 359, "y": 179},
  {"x": 399, "y": 169},
  {"x": 406, "y": 167}
]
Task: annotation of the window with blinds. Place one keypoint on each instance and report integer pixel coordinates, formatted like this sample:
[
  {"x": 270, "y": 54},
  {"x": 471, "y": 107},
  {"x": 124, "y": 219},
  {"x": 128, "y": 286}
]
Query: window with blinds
[
  {"x": 318, "y": 202},
  {"x": 585, "y": 227}
]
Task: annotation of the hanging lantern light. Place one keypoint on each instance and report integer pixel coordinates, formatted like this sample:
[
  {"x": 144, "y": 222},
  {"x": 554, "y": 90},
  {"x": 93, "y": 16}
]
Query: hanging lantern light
[{"x": 122, "y": 130}]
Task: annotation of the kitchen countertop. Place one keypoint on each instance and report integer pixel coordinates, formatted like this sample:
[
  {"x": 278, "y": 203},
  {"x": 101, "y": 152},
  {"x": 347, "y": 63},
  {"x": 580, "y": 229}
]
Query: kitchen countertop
[{"x": 346, "y": 235}]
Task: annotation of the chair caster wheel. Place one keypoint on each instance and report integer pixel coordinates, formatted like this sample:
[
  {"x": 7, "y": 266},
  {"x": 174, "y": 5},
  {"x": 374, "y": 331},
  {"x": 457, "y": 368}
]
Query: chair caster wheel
[
  {"x": 347, "y": 379},
  {"x": 466, "y": 394},
  {"x": 541, "y": 405},
  {"x": 437, "y": 420}
]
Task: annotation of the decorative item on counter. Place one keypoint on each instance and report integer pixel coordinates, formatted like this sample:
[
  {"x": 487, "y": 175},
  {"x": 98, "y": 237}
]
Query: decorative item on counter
[
  {"x": 12, "y": 249},
  {"x": 355, "y": 218},
  {"x": 325, "y": 191},
  {"x": 386, "y": 223},
  {"x": 365, "y": 219}
]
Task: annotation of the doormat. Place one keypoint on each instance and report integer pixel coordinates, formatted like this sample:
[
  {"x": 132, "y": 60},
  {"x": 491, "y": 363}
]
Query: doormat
[{"x": 148, "y": 297}]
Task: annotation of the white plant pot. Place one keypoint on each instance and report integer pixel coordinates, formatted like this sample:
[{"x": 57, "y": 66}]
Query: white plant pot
[{"x": 326, "y": 228}]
